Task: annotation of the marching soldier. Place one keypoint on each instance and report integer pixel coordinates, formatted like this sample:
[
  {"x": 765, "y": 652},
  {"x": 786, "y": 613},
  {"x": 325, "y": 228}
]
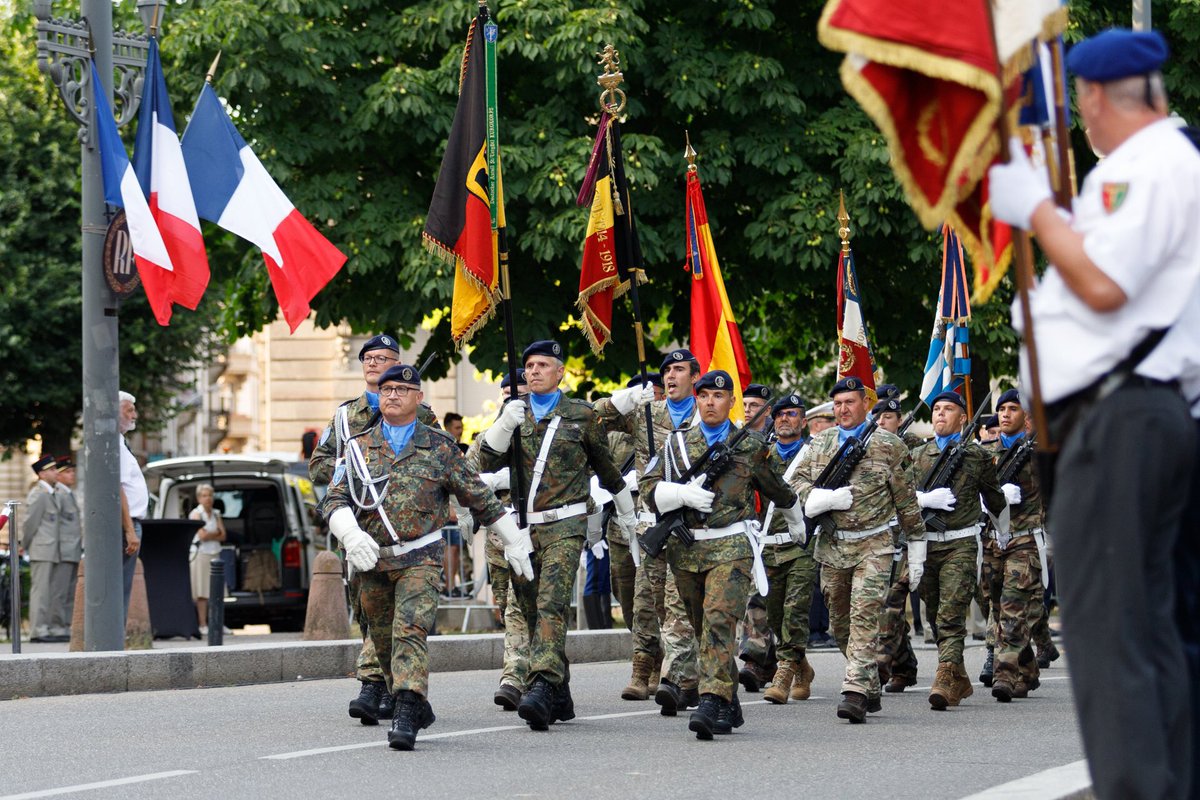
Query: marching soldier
[
  {"x": 387, "y": 508},
  {"x": 948, "y": 557},
  {"x": 753, "y": 399},
  {"x": 715, "y": 575},
  {"x": 561, "y": 445},
  {"x": 856, "y": 557}
]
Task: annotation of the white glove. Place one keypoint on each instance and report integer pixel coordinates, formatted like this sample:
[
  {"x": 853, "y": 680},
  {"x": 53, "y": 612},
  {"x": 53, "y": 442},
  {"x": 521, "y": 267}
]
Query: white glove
[
  {"x": 635, "y": 397},
  {"x": 497, "y": 481},
  {"x": 517, "y": 545},
  {"x": 1012, "y": 493},
  {"x": 794, "y": 517},
  {"x": 362, "y": 552},
  {"x": 1017, "y": 188},
  {"x": 821, "y": 501},
  {"x": 938, "y": 499},
  {"x": 626, "y": 518},
  {"x": 500, "y": 434},
  {"x": 916, "y": 563},
  {"x": 631, "y": 480},
  {"x": 670, "y": 496}
]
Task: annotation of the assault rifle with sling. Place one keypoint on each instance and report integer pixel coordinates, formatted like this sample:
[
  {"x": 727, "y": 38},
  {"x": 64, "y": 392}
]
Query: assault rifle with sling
[
  {"x": 949, "y": 462},
  {"x": 1014, "y": 460},
  {"x": 715, "y": 462},
  {"x": 837, "y": 473}
]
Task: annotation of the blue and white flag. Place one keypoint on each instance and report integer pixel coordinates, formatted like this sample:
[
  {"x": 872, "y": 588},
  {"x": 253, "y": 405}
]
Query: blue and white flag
[{"x": 949, "y": 363}]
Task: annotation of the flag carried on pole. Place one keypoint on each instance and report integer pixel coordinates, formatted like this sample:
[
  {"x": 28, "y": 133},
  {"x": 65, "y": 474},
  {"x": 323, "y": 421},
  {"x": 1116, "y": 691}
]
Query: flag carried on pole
[
  {"x": 855, "y": 356},
  {"x": 160, "y": 169},
  {"x": 459, "y": 227},
  {"x": 233, "y": 189},
  {"x": 715, "y": 339},
  {"x": 121, "y": 189},
  {"x": 948, "y": 366}
]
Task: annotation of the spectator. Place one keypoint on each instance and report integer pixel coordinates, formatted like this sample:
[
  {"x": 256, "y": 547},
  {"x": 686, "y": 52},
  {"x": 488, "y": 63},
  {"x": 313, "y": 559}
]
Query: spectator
[
  {"x": 70, "y": 542},
  {"x": 208, "y": 547},
  {"x": 41, "y": 539},
  {"x": 134, "y": 496},
  {"x": 453, "y": 423}
]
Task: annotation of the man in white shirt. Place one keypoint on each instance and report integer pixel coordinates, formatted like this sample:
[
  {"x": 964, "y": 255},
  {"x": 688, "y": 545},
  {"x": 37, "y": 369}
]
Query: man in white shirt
[{"x": 134, "y": 496}]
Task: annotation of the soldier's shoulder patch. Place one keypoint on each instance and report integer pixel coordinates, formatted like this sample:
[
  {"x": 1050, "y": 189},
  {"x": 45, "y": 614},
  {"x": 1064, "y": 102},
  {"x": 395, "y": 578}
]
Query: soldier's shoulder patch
[
  {"x": 1113, "y": 195},
  {"x": 325, "y": 435}
]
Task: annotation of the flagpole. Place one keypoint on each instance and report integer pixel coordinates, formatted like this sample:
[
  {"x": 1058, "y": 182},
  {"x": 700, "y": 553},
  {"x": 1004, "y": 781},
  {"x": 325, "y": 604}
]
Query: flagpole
[{"x": 1065, "y": 188}]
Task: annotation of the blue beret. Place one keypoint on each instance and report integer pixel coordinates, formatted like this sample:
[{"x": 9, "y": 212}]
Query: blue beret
[
  {"x": 45, "y": 462},
  {"x": 886, "y": 404},
  {"x": 991, "y": 421},
  {"x": 653, "y": 378},
  {"x": 757, "y": 390},
  {"x": 678, "y": 357},
  {"x": 786, "y": 402},
  {"x": 949, "y": 397},
  {"x": 1011, "y": 396},
  {"x": 546, "y": 347},
  {"x": 888, "y": 390},
  {"x": 505, "y": 382},
  {"x": 717, "y": 379},
  {"x": 848, "y": 384},
  {"x": 380, "y": 342},
  {"x": 1117, "y": 53},
  {"x": 400, "y": 373}
]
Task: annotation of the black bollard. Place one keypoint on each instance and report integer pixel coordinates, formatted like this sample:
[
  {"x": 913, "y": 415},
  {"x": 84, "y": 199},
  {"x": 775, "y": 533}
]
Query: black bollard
[
  {"x": 216, "y": 603},
  {"x": 14, "y": 579}
]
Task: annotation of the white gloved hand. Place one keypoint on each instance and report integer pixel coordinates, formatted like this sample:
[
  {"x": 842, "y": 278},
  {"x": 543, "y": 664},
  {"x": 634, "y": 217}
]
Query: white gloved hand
[
  {"x": 670, "y": 496},
  {"x": 938, "y": 499},
  {"x": 626, "y": 518},
  {"x": 794, "y": 517},
  {"x": 635, "y": 397},
  {"x": 497, "y": 481},
  {"x": 916, "y": 563},
  {"x": 500, "y": 434},
  {"x": 1012, "y": 493},
  {"x": 821, "y": 501},
  {"x": 517, "y": 545},
  {"x": 362, "y": 552},
  {"x": 1017, "y": 188},
  {"x": 631, "y": 480}
]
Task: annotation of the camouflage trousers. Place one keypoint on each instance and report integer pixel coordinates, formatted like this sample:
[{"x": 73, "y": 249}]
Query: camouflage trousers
[
  {"x": 947, "y": 589},
  {"x": 622, "y": 575},
  {"x": 1013, "y": 581},
  {"x": 788, "y": 603},
  {"x": 401, "y": 606},
  {"x": 756, "y": 640},
  {"x": 893, "y": 648},
  {"x": 715, "y": 600},
  {"x": 366, "y": 666},
  {"x": 661, "y": 628},
  {"x": 545, "y": 603},
  {"x": 516, "y": 633},
  {"x": 855, "y": 599}
]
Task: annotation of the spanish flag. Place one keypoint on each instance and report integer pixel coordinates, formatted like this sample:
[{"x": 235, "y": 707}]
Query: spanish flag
[
  {"x": 459, "y": 226},
  {"x": 715, "y": 339}
]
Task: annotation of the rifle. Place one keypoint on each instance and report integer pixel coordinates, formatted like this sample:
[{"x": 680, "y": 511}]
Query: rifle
[
  {"x": 715, "y": 462},
  {"x": 1014, "y": 460},
  {"x": 906, "y": 423},
  {"x": 943, "y": 472},
  {"x": 836, "y": 473}
]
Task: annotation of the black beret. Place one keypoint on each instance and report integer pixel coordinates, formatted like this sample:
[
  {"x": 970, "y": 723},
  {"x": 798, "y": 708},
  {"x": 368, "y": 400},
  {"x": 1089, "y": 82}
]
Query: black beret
[
  {"x": 64, "y": 462},
  {"x": 786, "y": 402},
  {"x": 886, "y": 404},
  {"x": 677, "y": 357},
  {"x": 506, "y": 381},
  {"x": 847, "y": 384},
  {"x": 949, "y": 397},
  {"x": 546, "y": 347},
  {"x": 380, "y": 342},
  {"x": 717, "y": 379},
  {"x": 888, "y": 390},
  {"x": 43, "y": 463},
  {"x": 1117, "y": 53},
  {"x": 653, "y": 378},
  {"x": 1011, "y": 396},
  {"x": 757, "y": 390},
  {"x": 400, "y": 373}
]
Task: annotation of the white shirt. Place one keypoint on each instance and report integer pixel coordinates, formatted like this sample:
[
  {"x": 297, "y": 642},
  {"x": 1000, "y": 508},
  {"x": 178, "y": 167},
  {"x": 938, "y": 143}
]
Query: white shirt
[
  {"x": 133, "y": 483},
  {"x": 1146, "y": 238},
  {"x": 210, "y": 525}
]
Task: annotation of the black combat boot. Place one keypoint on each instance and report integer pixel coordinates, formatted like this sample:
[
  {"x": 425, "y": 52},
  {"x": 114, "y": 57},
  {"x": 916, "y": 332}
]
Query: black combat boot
[
  {"x": 365, "y": 707},
  {"x": 874, "y": 704},
  {"x": 507, "y": 697},
  {"x": 1047, "y": 655},
  {"x": 752, "y": 676},
  {"x": 730, "y": 716},
  {"x": 563, "y": 707},
  {"x": 706, "y": 719},
  {"x": 387, "y": 705},
  {"x": 537, "y": 705},
  {"x": 988, "y": 673},
  {"x": 413, "y": 713},
  {"x": 853, "y": 707},
  {"x": 670, "y": 697}
]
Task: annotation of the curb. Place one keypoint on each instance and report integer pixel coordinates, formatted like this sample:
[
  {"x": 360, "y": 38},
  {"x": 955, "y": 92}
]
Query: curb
[{"x": 50, "y": 674}]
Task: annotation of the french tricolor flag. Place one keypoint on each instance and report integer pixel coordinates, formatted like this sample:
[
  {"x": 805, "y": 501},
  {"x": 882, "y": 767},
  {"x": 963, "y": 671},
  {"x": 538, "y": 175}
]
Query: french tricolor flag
[
  {"x": 232, "y": 189},
  {"x": 121, "y": 188},
  {"x": 158, "y": 164}
]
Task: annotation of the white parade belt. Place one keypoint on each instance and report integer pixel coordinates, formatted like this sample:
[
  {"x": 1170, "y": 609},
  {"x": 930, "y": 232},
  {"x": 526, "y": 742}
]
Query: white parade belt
[
  {"x": 1018, "y": 534},
  {"x": 853, "y": 536},
  {"x": 397, "y": 550},
  {"x": 555, "y": 514},
  {"x": 954, "y": 535},
  {"x": 749, "y": 529},
  {"x": 776, "y": 538},
  {"x": 647, "y": 517}
]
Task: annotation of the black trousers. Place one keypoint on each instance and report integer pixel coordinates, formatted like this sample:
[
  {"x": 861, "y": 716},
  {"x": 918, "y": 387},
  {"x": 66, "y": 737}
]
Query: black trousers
[
  {"x": 1121, "y": 488},
  {"x": 1187, "y": 605}
]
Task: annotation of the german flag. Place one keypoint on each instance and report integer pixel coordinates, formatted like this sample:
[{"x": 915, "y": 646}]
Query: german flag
[
  {"x": 459, "y": 226},
  {"x": 612, "y": 253}
]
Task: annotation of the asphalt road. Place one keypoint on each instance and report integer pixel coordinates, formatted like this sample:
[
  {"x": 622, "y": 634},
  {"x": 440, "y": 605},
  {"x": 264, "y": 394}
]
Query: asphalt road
[{"x": 296, "y": 740}]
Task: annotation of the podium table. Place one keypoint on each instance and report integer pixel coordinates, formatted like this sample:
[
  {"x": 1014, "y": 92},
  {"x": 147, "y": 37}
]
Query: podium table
[{"x": 165, "y": 545}]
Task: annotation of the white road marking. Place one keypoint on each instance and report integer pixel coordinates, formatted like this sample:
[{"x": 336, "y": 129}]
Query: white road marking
[
  {"x": 976, "y": 685},
  {"x": 1059, "y": 783},
  {"x": 86, "y": 787}
]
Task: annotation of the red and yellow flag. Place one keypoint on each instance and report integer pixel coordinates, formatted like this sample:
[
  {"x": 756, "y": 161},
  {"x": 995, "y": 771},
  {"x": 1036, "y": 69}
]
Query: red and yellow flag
[
  {"x": 855, "y": 356},
  {"x": 715, "y": 339}
]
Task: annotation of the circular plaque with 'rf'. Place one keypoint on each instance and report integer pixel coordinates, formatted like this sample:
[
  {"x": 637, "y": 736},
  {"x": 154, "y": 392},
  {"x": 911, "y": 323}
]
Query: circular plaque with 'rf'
[{"x": 119, "y": 268}]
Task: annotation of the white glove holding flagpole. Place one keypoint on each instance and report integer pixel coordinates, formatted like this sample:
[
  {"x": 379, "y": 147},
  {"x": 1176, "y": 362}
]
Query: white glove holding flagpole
[
  {"x": 635, "y": 397},
  {"x": 500, "y": 434},
  {"x": 1017, "y": 188}
]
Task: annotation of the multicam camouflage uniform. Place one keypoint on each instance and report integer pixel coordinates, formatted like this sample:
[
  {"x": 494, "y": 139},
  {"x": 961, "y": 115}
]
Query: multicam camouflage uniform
[
  {"x": 854, "y": 571},
  {"x": 951, "y": 566},
  {"x": 579, "y": 448},
  {"x": 714, "y": 576},
  {"x": 399, "y": 596}
]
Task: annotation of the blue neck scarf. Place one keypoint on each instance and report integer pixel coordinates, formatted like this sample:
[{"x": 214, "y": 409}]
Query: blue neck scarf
[
  {"x": 788, "y": 451},
  {"x": 542, "y": 404},
  {"x": 846, "y": 433},
  {"x": 1009, "y": 441},
  {"x": 716, "y": 434},
  {"x": 373, "y": 400},
  {"x": 398, "y": 436},
  {"x": 942, "y": 441},
  {"x": 681, "y": 410}
]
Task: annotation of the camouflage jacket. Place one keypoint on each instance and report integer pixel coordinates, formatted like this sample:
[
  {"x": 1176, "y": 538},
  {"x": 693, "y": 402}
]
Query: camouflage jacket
[
  {"x": 420, "y": 480},
  {"x": 734, "y": 501},
  {"x": 635, "y": 425},
  {"x": 1029, "y": 513},
  {"x": 976, "y": 477},
  {"x": 359, "y": 415},
  {"x": 775, "y": 555}
]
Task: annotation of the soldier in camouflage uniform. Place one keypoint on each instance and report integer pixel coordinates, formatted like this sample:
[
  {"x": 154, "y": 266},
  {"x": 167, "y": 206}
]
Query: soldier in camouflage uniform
[
  {"x": 948, "y": 558},
  {"x": 664, "y": 644},
  {"x": 1013, "y": 563},
  {"x": 715, "y": 575},
  {"x": 561, "y": 445},
  {"x": 856, "y": 557},
  {"x": 387, "y": 508}
]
